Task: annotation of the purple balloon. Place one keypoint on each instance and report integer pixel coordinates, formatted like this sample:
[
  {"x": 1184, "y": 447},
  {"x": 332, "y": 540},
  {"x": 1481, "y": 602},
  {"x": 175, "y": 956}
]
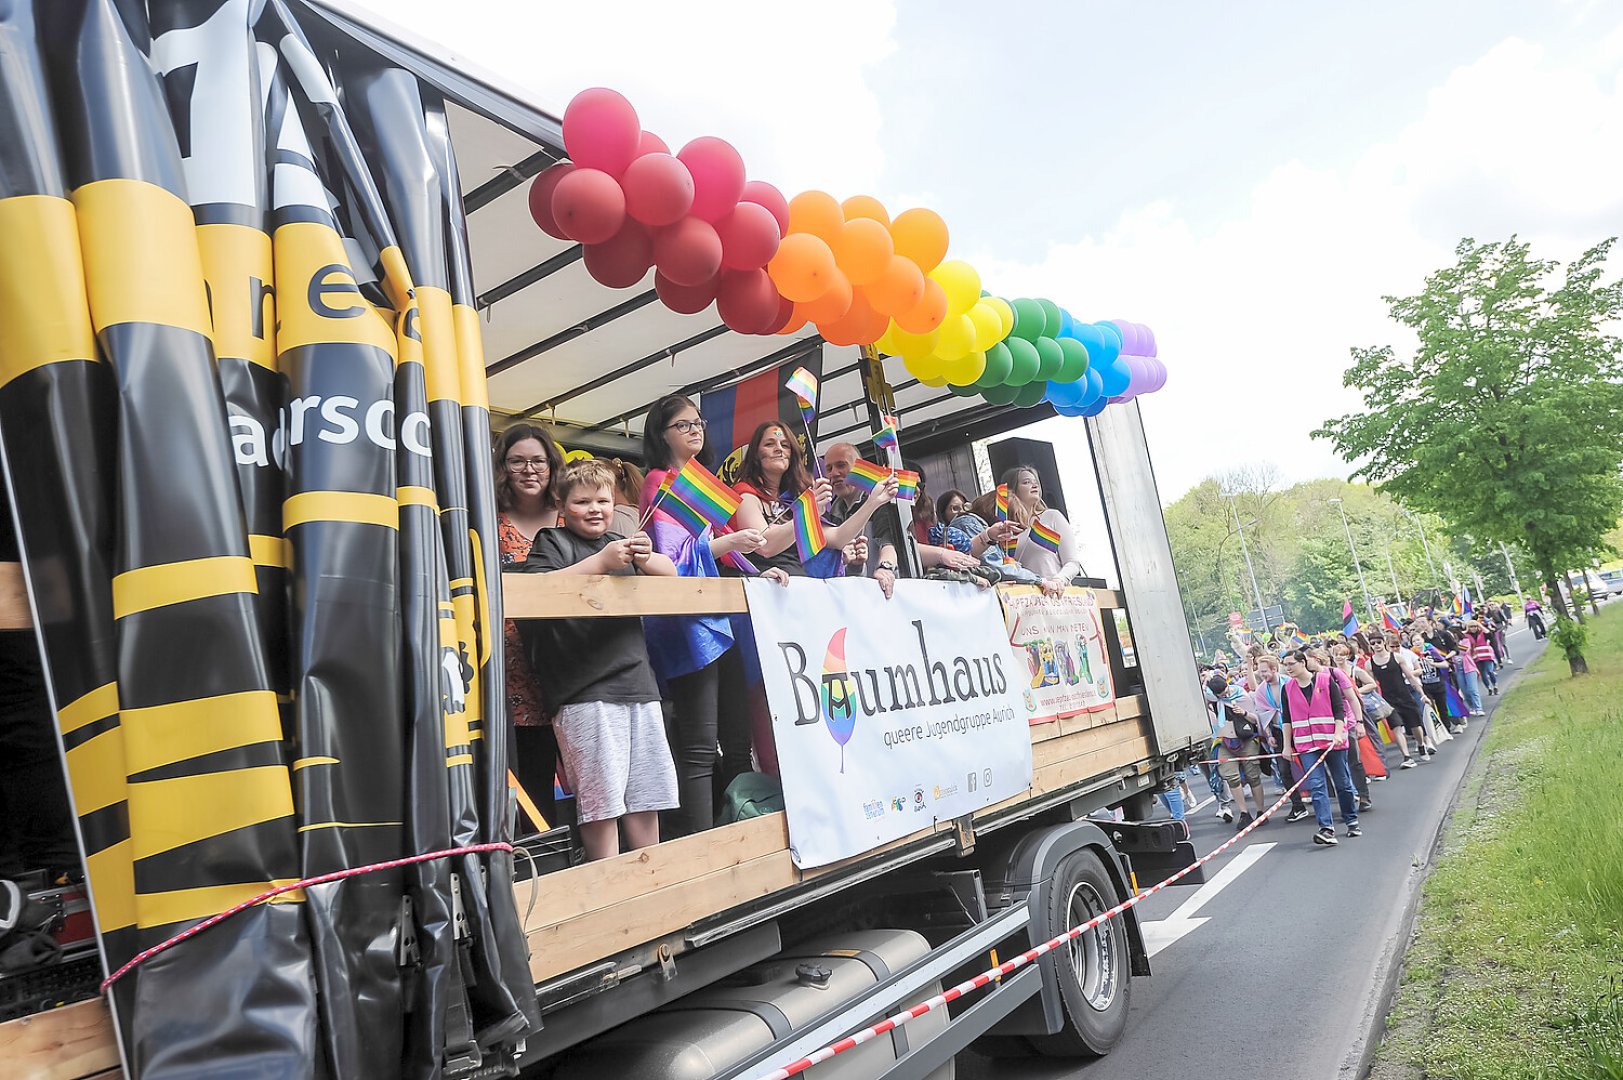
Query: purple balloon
[
  {"x": 1158, "y": 376},
  {"x": 1148, "y": 336}
]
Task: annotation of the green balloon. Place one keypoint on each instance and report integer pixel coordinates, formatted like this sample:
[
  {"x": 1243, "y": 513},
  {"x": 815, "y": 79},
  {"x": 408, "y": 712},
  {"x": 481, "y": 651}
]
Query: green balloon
[
  {"x": 1050, "y": 358},
  {"x": 968, "y": 390},
  {"x": 1031, "y": 393},
  {"x": 998, "y": 365},
  {"x": 1076, "y": 360},
  {"x": 1030, "y": 321},
  {"x": 1051, "y": 318},
  {"x": 999, "y": 395},
  {"x": 1024, "y": 361}
]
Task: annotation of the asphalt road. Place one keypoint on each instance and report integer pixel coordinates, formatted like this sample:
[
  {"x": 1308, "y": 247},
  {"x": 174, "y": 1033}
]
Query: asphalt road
[{"x": 1230, "y": 996}]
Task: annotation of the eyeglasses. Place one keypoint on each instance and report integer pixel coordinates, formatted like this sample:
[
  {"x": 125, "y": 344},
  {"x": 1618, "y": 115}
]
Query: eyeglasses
[
  {"x": 686, "y": 427},
  {"x": 535, "y": 464}
]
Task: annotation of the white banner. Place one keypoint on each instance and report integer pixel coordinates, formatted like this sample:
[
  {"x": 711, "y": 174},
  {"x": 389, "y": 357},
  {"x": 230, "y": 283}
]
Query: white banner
[
  {"x": 1061, "y": 663},
  {"x": 888, "y": 715}
]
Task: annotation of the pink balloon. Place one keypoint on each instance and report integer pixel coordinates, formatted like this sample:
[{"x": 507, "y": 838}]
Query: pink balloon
[
  {"x": 688, "y": 252},
  {"x": 659, "y": 189},
  {"x": 649, "y": 143},
  {"x": 747, "y": 301},
  {"x": 541, "y": 197},
  {"x": 601, "y": 131},
  {"x": 718, "y": 176},
  {"x": 623, "y": 259},
  {"x": 749, "y": 237},
  {"x": 685, "y": 299},
  {"x": 588, "y": 206},
  {"x": 764, "y": 194}
]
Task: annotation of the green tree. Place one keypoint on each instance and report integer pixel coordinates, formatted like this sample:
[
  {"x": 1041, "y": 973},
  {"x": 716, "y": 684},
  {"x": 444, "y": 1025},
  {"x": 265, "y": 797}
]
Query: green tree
[{"x": 1506, "y": 419}]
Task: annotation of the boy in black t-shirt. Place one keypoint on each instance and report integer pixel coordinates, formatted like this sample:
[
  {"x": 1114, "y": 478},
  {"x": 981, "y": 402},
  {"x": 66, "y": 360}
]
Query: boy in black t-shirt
[{"x": 594, "y": 673}]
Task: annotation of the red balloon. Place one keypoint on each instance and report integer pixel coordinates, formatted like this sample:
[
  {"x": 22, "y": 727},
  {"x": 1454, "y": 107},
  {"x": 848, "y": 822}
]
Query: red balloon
[
  {"x": 659, "y": 189},
  {"x": 685, "y": 299},
  {"x": 688, "y": 252},
  {"x": 764, "y": 194},
  {"x": 747, "y": 301},
  {"x": 785, "y": 315},
  {"x": 749, "y": 237},
  {"x": 649, "y": 143},
  {"x": 623, "y": 259},
  {"x": 541, "y": 197},
  {"x": 718, "y": 176},
  {"x": 588, "y": 206},
  {"x": 601, "y": 131}
]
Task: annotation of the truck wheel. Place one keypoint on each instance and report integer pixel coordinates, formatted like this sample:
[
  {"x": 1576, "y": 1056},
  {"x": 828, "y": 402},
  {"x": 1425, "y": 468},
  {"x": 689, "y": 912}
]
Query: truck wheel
[{"x": 1094, "y": 978}]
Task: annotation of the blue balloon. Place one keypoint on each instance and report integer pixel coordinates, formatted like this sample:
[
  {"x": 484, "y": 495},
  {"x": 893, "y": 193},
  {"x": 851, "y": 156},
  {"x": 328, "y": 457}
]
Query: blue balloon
[
  {"x": 1109, "y": 344},
  {"x": 1094, "y": 389},
  {"x": 1066, "y": 394},
  {"x": 1115, "y": 376},
  {"x": 1068, "y": 410},
  {"x": 1096, "y": 408},
  {"x": 1067, "y": 324}
]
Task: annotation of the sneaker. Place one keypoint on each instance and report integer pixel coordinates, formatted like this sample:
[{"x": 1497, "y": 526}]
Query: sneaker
[
  {"x": 1364, "y": 803},
  {"x": 1431, "y": 751},
  {"x": 1408, "y": 763},
  {"x": 1245, "y": 819},
  {"x": 1355, "y": 829},
  {"x": 1474, "y": 712},
  {"x": 1226, "y": 813},
  {"x": 1298, "y": 815},
  {"x": 1379, "y": 779},
  {"x": 1326, "y": 836}
]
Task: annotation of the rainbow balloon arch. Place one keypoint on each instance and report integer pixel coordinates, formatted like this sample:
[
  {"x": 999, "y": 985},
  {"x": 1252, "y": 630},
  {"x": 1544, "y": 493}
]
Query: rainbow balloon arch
[{"x": 772, "y": 265}]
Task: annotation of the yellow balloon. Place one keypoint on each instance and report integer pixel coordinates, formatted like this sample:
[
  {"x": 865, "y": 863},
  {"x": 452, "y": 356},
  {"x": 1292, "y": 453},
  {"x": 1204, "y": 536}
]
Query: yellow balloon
[
  {"x": 955, "y": 337},
  {"x": 1005, "y": 314},
  {"x": 936, "y": 381},
  {"x": 925, "y": 368},
  {"x": 912, "y": 347},
  {"x": 988, "y": 327},
  {"x": 966, "y": 369},
  {"x": 887, "y": 343},
  {"x": 960, "y": 282}
]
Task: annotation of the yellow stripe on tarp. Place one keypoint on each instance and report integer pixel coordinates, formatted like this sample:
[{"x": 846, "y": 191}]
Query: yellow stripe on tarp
[
  {"x": 112, "y": 886},
  {"x": 189, "y": 905},
  {"x": 351, "y": 506},
  {"x": 167, "y": 814},
  {"x": 459, "y": 759},
  {"x": 237, "y": 264},
  {"x": 470, "y": 355},
  {"x": 96, "y": 772},
  {"x": 412, "y": 495},
  {"x": 140, "y": 254},
  {"x": 489, "y": 634},
  {"x": 150, "y": 587},
  {"x": 100, "y": 703},
  {"x": 318, "y": 299},
  {"x": 438, "y": 327},
  {"x": 349, "y": 825},
  {"x": 161, "y": 735},
  {"x": 269, "y": 550},
  {"x": 305, "y": 762},
  {"x": 44, "y": 313}
]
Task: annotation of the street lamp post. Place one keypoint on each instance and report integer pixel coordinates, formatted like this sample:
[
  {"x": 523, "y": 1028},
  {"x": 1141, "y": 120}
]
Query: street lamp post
[
  {"x": 1515, "y": 582},
  {"x": 1397, "y": 594},
  {"x": 1426, "y": 548},
  {"x": 1369, "y": 605},
  {"x": 1262, "y": 610}
]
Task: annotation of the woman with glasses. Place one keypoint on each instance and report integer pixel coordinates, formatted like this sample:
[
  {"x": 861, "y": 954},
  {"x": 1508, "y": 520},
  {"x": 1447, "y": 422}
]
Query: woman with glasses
[
  {"x": 685, "y": 650},
  {"x": 526, "y": 461}
]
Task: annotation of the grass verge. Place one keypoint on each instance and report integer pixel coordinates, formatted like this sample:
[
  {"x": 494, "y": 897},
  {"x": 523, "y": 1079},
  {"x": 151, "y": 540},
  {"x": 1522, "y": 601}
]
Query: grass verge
[{"x": 1516, "y": 968}]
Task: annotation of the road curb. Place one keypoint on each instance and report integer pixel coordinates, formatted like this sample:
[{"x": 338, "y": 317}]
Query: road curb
[{"x": 1372, "y": 1023}]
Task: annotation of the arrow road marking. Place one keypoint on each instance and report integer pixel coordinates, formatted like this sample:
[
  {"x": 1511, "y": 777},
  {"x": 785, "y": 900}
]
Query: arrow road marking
[{"x": 1161, "y": 933}]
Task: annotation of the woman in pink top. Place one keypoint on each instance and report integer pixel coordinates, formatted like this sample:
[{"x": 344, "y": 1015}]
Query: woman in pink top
[
  {"x": 1478, "y": 644},
  {"x": 1314, "y": 711}
]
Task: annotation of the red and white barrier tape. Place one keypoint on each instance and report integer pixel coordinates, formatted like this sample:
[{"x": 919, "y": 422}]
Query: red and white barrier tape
[
  {"x": 992, "y": 975},
  {"x": 270, "y": 894}
]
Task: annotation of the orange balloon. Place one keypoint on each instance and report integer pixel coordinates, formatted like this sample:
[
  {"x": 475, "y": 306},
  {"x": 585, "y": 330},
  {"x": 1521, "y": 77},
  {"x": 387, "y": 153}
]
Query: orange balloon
[
  {"x": 865, "y": 206},
  {"x": 899, "y": 288},
  {"x": 920, "y": 235},
  {"x": 928, "y": 313},
  {"x": 796, "y": 321},
  {"x": 817, "y": 213},
  {"x": 863, "y": 251},
  {"x": 803, "y": 267},
  {"x": 861, "y": 325},
  {"x": 833, "y": 304}
]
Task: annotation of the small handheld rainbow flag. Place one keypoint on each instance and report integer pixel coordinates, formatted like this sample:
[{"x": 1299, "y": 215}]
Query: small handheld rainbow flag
[
  {"x": 866, "y": 476},
  {"x": 803, "y": 385},
  {"x": 1459, "y": 608},
  {"x": 808, "y": 527},
  {"x": 886, "y": 438},
  {"x": 1003, "y": 515},
  {"x": 701, "y": 492},
  {"x": 1045, "y": 536},
  {"x": 907, "y": 485},
  {"x": 1388, "y": 621}
]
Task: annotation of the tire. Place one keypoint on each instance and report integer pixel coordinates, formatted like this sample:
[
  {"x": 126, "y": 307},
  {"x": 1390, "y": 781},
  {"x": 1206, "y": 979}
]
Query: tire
[{"x": 1095, "y": 979}]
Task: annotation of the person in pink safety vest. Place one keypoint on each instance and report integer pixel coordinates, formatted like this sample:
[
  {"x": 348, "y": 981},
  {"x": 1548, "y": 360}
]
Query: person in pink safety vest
[{"x": 1315, "y": 713}]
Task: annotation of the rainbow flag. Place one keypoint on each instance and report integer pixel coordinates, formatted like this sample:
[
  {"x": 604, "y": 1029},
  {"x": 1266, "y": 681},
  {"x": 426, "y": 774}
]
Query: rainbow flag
[
  {"x": 1459, "y": 608},
  {"x": 808, "y": 527},
  {"x": 698, "y": 489},
  {"x": 1297, "y": 641},
  {"x": 886, "y": 438},
  {"x": 1003, "y": 515},
  {"x": 1045, "y": 536},
  {"x": 867, "y": 476},
  {"x": 907, "y": 485},
  {"x": 1388, "y": 621},
  {"x": 1349, "y": 621},
  {"x": 803, "y": 385}
]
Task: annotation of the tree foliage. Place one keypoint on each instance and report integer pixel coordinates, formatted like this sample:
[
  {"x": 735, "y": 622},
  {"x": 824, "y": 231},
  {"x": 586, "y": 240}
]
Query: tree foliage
[{"x": 1507, "y": 419}]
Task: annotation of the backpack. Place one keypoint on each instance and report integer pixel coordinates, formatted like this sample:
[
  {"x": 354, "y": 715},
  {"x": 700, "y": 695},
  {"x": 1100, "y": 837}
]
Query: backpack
[{"x": 751, "y": 794}]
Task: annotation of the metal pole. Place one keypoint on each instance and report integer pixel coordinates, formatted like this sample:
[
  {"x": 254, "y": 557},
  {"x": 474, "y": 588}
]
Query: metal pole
[
  {"x": 1369, "y": 605},
  {"x": 1515, "y": 582},
  {"x": 1397, "y": 594},
  {"x": 1435, "y": 580},
  {"x": 1262, "y": 610}
]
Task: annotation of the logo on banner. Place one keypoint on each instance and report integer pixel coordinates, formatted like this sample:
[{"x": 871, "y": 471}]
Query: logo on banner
[
  {"x": 838, "y": 716},
  {"x": 918, "y": 798}
]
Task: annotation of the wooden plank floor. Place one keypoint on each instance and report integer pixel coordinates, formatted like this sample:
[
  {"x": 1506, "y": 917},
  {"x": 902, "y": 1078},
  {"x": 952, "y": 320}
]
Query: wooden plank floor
[{"x": 69, "y": 1043}]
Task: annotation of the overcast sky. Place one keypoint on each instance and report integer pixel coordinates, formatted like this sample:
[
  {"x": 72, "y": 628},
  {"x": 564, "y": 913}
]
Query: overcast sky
[{"x": 1247, "y": 179}]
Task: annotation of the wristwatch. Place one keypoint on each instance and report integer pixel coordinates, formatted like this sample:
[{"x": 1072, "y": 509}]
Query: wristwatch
[{"x": 886, "y": 566}]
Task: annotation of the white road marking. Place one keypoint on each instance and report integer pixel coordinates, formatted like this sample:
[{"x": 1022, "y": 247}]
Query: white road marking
[{"x": 1163, "y": 932}]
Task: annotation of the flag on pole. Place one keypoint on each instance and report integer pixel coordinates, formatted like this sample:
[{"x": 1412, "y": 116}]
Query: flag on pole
[
  {"x": 1459, "y": 606},
  {"x": 1468, "y": 611},
  {"x": 701, "y": 492},
  {"x": 886, "y": 438},
  {"x": 808, "y": 527},
  {"x": 866, "y": 476},
  {"x": 1388, "y": 620},
  {"x": 1045, "y": 536},
  {"x": 907, "y": 485},
  {"x": 803, "y": 385},
  {"x": 1349, "y": 621}
]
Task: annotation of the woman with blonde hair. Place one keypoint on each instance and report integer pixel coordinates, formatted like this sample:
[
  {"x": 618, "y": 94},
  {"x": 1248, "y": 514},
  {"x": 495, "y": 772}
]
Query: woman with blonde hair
[{"x": 1047, "y": 546}]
